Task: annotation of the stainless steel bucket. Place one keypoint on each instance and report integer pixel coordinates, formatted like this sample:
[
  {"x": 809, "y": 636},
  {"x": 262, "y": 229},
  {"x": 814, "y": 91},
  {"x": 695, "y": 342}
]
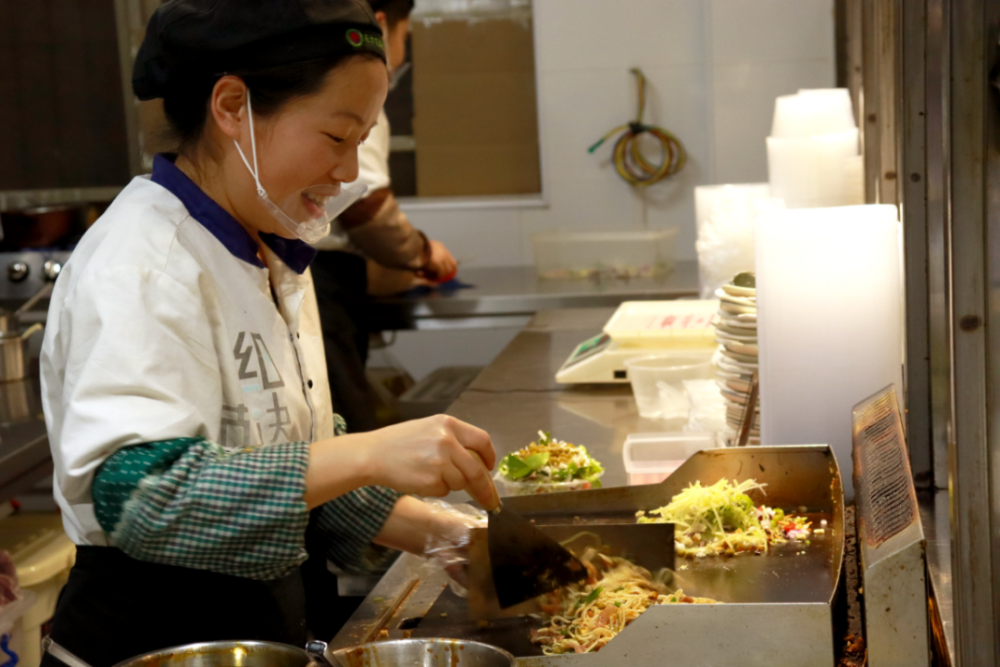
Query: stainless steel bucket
[
  {"x": 224, "y": 654},
  {"x": 422, "y": 653}
]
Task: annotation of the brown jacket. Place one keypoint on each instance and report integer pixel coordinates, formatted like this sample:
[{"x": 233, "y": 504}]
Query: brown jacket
[{"x": 377, "y": 227}]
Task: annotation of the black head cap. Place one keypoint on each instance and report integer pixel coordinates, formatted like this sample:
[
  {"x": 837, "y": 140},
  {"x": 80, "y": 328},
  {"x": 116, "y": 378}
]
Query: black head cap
[{"x": 203, "y": 38}]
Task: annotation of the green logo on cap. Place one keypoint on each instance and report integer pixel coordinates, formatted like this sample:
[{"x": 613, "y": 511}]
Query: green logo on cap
[{"x": 357, "y": 39}]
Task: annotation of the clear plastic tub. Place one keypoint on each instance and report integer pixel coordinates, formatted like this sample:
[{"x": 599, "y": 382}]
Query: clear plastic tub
[
  {"x": 652, "y": 457},
  {"x": 657, "y": 382},
  {"x": 518, "y": 488},
  {"x": 625, "y": 254}
]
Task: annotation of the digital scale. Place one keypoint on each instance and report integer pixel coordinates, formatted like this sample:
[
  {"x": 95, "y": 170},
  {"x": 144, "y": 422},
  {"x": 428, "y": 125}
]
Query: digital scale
[{"x": 639, "y": 328}]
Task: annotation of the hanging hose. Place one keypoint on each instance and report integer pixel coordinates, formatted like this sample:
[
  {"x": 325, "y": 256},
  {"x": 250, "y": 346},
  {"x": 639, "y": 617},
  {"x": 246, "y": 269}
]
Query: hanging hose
[{"x": 630, "y": 163}]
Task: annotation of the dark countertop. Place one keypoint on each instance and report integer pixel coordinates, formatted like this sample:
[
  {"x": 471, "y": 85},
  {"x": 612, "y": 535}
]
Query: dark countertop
[{"x": 516, "y": 291}]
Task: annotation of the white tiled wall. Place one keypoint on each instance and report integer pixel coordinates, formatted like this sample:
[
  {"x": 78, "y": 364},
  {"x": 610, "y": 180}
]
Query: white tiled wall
[{"x": 714, "y": 68}]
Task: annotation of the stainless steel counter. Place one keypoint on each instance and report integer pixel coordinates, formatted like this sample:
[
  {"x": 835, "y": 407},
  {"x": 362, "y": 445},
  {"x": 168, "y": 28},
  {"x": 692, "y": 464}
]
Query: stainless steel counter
[
  {"x": 506, "y": 293},
  {"x": 517, "y": 395}
]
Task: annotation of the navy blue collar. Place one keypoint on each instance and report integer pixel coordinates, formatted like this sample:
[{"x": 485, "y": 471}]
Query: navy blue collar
[{"x": 298, "y": 255}]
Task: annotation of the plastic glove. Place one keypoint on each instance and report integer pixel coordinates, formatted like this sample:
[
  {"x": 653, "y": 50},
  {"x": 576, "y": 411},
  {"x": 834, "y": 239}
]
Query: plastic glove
[{"x": 447, "y": 544}]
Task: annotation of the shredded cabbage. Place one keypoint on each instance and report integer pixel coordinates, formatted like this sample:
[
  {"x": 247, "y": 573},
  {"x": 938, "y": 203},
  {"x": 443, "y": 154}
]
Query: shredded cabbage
[{"x": 722, "y": 519}]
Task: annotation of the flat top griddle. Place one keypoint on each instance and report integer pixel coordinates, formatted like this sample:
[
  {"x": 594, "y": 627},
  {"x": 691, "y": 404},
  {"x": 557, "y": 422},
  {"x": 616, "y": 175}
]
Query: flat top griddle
[{"x": 791, "y": 589}]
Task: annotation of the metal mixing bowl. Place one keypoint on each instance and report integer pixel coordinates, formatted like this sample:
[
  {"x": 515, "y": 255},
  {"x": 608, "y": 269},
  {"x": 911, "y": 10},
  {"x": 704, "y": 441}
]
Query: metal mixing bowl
[
  {"x": 224, "y": 654},
  {"x": 424, "y": 653}
]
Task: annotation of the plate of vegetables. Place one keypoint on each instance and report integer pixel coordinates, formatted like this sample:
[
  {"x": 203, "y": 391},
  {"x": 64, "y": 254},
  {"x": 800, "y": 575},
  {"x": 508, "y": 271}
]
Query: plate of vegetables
[{"x": 548, "y": 465}]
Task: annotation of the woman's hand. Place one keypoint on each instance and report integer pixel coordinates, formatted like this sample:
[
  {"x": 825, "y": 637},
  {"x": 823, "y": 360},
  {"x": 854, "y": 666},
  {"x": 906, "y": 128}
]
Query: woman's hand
[
  {"x": 387, "y": 282},
  {"x": 434, "y": 456},
  {"x": 441, "y": 263},
  {"x": 421, "y": 527},
  {"x": 430, "y": 457}
]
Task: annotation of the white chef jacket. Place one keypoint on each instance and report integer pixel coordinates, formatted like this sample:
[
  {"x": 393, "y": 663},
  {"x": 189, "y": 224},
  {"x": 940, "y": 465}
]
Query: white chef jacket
[
  {"x": 373, "y": 171},
  {"x": 373, "y": 156},
  {"x": 163, "y": 325}
]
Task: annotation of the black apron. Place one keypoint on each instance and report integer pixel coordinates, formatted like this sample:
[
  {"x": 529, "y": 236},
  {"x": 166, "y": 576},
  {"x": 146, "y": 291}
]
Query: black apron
[
  {"x": 115, "y": 607},
  {"x": 341, "y": 281}
]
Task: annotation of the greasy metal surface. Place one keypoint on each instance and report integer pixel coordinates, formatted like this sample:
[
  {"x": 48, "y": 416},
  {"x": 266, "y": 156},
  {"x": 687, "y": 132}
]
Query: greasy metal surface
[
  {"x": 526, "y": 562},
  {"x": 886, "y": 499},
  {"x": 934, "y": 516},
  {"x": 890, "y": 538},
  {"x": 642, "y": 544},
  {"x": 517, "y": 291}
]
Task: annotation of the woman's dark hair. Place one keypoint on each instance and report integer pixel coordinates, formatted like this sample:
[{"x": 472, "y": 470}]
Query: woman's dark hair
[
  {"x": 186, "y": 109},
  {"x": 395, "y": 10}
]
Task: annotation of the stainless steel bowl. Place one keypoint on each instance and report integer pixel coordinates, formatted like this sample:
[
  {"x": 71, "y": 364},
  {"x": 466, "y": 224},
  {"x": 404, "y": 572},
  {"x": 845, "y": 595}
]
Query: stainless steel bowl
[
  {"x": 224, "y": 654},
  {"x": 424, "y": 653}
]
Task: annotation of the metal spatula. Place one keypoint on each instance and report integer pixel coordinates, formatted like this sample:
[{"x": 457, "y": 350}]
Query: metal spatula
[{"x": 525, "y": 561}]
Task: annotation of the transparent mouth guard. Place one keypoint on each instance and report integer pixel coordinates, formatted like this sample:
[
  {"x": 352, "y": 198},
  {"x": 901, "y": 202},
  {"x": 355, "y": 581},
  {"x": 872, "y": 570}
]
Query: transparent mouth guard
[{"x": 293, "y": 213}]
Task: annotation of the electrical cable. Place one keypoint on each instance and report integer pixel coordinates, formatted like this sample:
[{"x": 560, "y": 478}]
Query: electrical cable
[{"x": 629, "y": 161}]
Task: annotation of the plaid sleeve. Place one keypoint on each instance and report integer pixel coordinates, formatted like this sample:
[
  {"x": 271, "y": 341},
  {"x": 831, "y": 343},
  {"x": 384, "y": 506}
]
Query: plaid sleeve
[
  {"x": 347, "y": 525},
  {"x": 187, "y": 502}
]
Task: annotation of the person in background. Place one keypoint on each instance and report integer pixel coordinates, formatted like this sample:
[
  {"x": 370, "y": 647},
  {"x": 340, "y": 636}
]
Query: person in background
[
  {"x": 197, "y": 455},
  {"x": 376, "y": 251}
]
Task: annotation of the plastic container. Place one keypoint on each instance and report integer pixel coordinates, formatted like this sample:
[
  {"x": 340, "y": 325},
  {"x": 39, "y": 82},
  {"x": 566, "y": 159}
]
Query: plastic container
[
  {"x": 657, "y": 382},
  {"x": 625, "y": 254},
  {"x": 652, "y": 457},
  {"x": 811, "y": 112},
  {"x": 813, "y": 172},
  {"x": 516, "y": 488},
  {"x": 43, "y": 556},
  {"x": 14, "y": 646}
]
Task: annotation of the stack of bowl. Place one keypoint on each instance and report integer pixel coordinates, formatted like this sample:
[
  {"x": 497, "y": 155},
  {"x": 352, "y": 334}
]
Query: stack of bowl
[{"x": 737, "y": 360}]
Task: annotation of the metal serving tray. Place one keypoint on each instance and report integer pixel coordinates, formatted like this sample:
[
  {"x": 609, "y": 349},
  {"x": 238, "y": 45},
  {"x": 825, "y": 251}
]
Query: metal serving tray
[{"x": 777, "y": 607}]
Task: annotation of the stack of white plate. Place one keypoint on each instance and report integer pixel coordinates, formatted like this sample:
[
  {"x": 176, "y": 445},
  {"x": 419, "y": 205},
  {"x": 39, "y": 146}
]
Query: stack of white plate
[{"x": 737, "y": 360}]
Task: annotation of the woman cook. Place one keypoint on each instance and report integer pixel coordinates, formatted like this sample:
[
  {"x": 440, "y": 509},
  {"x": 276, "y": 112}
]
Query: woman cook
[{"x": 183, "y": 373}]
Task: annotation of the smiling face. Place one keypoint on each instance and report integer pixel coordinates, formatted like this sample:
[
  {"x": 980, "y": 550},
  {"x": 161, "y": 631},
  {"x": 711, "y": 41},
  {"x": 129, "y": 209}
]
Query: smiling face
[{"x": 310, "y": 142}]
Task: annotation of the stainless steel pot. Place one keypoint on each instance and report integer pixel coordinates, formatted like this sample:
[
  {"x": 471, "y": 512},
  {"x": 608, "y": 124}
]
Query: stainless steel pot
[
  {"x": 224, "y": 654},
  {"x": 422, "y": 653},
  {"x": 12, "y": 353}
]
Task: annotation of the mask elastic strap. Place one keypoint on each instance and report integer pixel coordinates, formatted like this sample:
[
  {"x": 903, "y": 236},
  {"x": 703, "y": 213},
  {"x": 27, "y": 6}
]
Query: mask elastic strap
[{"x": 253, "y": 147}]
